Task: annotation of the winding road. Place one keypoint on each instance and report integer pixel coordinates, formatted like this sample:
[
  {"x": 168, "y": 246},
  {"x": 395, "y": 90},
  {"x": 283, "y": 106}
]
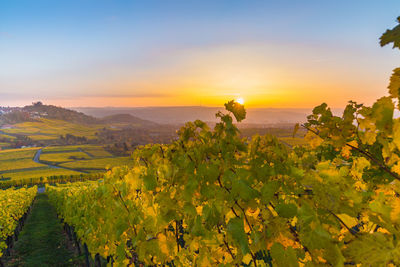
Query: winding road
[{"x": 36, "y": 159}]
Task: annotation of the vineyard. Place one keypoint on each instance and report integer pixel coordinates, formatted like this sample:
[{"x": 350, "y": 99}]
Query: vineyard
[
  {"x": 214, "y": 198},
  {"x": 14, "y": 204}
]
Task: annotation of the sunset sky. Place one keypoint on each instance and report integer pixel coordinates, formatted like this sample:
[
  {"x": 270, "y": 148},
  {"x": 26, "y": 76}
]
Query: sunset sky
[{"x": 174, "y": 53}]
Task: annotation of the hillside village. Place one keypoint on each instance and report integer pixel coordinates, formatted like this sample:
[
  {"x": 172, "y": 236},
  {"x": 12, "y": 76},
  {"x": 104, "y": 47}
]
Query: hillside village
[{"x": 11, "y": 115}]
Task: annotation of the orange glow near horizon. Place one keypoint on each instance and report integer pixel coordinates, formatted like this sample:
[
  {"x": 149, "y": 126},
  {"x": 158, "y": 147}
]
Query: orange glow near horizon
[{"x": 263, "y": 76}]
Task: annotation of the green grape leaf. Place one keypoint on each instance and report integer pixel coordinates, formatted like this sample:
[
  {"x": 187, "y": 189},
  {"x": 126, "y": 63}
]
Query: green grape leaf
[
  {"x": 379, "y": 206},
  {"x": 150, "y": 181},
  {"x": 237, "y": 109},
  {"x": 391, "y": 36},
  {"x": 211, "y": 216},
  {"x": 197, "y": 229},
  {"x": 394, "y": 85},
  {"x": 320, "y": 109},
  {"x": 286, "y": 210},
  {"x": 235, "y": 228},
  {"x": 382, "y": 111},
  {"x": 243, "y": 190},
  {"x": 375, "y": 249},
  {"x": 284, "y": 257},
  {"x": 268, "y": 190}
]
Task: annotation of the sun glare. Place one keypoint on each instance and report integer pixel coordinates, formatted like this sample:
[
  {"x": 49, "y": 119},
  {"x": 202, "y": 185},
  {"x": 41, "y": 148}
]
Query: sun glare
[{"x": 240, "y": 100}]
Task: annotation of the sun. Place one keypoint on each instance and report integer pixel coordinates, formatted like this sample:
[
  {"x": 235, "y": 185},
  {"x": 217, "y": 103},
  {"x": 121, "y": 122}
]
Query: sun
[{"x": 240, "y": 100}]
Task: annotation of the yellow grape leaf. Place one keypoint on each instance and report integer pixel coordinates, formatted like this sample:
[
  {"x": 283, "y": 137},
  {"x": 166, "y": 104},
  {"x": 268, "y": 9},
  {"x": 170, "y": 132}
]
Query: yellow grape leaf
[
  {"x": 346, "y": 152},
  {"x": 162, "y": 243},
  {"x": 359, "y": 164},
  {"x": 395, "y": 213},
  {"x": 353, "y": 143},
  {"x": 253, "y": 213},
  {"x": 229, "y": 215},
  {"x": 396, "y": 133},
  {"x": 313, "y": 139},
  {"x": 205, "y": 261},
  {"x": 199, "y": 210},
  {"x": 348, "y": 220},
  {"x": 247, "y": 258},
  {"x": 396, "y": 168},
  {"x": 194, "y": 245},
  {"x": 368, "y": 136}
]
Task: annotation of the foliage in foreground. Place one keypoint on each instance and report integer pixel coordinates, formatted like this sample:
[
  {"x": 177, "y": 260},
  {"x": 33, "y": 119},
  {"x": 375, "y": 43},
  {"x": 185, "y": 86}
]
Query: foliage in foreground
[
  {"x": 42, "y": 240},
  {"x": 14, "y": 203},
  {"x": 212, "y": 198}
]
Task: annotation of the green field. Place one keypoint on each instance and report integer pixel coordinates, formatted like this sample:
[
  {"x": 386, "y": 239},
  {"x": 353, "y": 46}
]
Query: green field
[
  {"x": 63, "y": 156},
  {"x": 18, "y": 153},
  {"x": 40, "y": 137},
  {"x": 23, "y": 163},
  {"x": 39, "y": 172},
  {"x": 50, "y": 129},
  {"x": 96, "y": 151},
  {"x": 61, "y": 149},
  {"x": 72, "y": 160},
  {"x": 73, "y": 147}
]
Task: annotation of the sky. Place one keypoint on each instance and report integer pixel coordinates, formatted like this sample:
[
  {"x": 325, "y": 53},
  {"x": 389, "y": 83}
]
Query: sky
[{"x": 283, "y": 54}]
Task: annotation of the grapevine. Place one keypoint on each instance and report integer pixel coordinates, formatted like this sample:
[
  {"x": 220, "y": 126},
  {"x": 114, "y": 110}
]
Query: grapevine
[
  {"x": 14, "y": 203},
  {"x": 213, "y": 198}
]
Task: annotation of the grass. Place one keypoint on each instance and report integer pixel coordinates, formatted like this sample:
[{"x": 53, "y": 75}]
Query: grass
[
  {"x": 18, "y": 153},
  {"x": 17, "y": 160},
  {"x": 42, "y": 241},
  {"x": 97, "y": 151},
  {"x": 38, "y": 172},
  {"x": 62, "y": 157},
  {"x": 15, "y": 164},
  {"x": 40, "y": 137},
  {"x": 52, "y": 149},
  {"x": 14, "y": 161},
  {"x": 53, "y": 128},
  {"x": 56, "y": 149},
  {"x": 18, "y": 164}
]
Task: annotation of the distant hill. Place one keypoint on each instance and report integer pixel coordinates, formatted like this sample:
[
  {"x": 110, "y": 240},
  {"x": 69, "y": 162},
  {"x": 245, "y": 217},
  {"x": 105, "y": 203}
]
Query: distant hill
[
  {"x": 127, "y": 119},
  {"x": 15, "y": 117},
  {"x": 39, "y": 110},
  {"x": 179, "y": 115}
]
